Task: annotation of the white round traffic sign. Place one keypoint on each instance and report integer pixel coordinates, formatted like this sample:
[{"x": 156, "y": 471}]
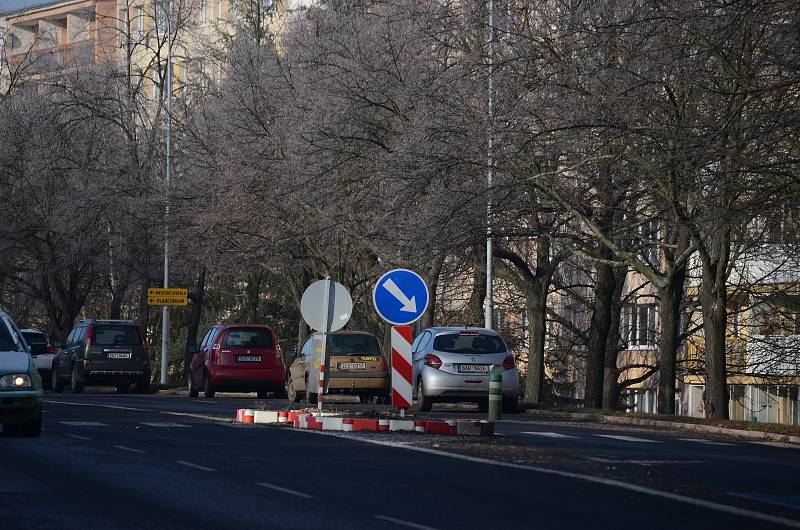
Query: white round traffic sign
[{"x": 339, "y": 305}]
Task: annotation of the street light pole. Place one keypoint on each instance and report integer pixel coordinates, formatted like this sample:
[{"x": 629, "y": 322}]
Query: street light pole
[
  {"x": 489, "y": 302},
  {"x": 168, "y": 96}
]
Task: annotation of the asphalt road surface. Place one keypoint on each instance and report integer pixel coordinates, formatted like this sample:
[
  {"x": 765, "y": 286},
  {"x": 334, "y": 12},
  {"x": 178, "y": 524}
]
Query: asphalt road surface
[{"x": 139, "y": 462}]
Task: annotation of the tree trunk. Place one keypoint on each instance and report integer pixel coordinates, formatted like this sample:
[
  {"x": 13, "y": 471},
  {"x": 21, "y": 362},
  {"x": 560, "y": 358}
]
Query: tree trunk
[
  {"x": 536, "y": 301},
  {"x": 478, "y": 296},
  {"x": 610, "y": 370},
  {"x": 196, "y": 296},
  {"x": 714, "y": 298},
  {"x": 598, "y": 332},
  {"x": 429, "y": 318},
  {"x": 671, "y": 299}
]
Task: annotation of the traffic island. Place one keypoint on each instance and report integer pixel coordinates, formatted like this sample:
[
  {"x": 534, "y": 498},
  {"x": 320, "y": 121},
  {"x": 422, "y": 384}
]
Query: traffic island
[{"x": 331, "y": 421}]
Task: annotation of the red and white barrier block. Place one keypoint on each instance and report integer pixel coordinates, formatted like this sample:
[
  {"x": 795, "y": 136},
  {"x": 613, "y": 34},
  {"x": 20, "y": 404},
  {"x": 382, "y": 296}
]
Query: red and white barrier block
[{"x": 402, "y": 337}]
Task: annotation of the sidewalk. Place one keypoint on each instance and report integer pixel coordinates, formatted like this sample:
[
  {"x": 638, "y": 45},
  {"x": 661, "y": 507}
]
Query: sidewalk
[{"x": 661, "y": 424}]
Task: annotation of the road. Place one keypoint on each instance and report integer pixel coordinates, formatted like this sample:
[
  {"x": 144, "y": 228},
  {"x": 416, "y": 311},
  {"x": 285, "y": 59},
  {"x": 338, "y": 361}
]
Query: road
[{"x": 138, "y": 462}]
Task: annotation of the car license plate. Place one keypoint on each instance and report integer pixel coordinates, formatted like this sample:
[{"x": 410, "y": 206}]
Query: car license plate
[
  {"x": 473, "y": 368},
  {"x": 119, "y": 355},
  {"x": 352, "y": 366},
  {"x": 248, "y": 358}
]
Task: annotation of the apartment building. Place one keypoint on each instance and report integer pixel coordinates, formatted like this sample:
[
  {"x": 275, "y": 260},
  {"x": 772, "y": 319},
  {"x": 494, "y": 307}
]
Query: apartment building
[{"x": 37, "y": 37}]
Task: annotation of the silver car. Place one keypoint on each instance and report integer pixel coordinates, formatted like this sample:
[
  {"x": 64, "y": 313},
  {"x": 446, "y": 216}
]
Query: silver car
[{"x": 453, "y": 364}]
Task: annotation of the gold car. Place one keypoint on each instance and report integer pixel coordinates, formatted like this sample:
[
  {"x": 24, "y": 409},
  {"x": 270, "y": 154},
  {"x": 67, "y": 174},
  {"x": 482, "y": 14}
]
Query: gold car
[{"x": 355, "y": 366}]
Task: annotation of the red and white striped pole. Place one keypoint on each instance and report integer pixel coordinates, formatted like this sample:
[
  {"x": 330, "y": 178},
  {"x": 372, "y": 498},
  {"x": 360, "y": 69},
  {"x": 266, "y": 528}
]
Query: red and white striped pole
[
  {"x": 402, "y": 338},
  {"x": 321, "y": 387}
]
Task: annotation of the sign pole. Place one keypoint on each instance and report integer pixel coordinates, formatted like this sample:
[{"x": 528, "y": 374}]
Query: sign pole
[{"x": 326, "y": 329}]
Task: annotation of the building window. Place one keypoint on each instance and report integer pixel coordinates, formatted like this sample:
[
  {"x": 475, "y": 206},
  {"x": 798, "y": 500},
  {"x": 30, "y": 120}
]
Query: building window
[
  {"x": 202, "y": 13},
  {"x": 137, "y": 25},
  {"x": 639, "y": 323},
  {"x": 648, "y": 239}
]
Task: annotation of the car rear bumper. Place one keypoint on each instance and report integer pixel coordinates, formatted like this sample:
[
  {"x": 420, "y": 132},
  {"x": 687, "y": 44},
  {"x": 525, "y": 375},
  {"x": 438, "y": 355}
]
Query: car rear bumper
[
  {"x": 358, "y": 381},
  {"x": 247, "y": 378},
  {"x": 43, "y": 362},
  {"x": 20, "y": 407},
  {"x": 112, "y": 377},
  {"x": 439, "y": 384}
]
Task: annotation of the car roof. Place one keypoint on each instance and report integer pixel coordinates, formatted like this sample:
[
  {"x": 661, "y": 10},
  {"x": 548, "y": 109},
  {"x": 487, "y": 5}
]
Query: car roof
[
  {"x": 107, "y": 321},
  {"x": 256, "y": 326},
  {"x": 346, "y": 332},
  {"x": 454, "y": 329}
]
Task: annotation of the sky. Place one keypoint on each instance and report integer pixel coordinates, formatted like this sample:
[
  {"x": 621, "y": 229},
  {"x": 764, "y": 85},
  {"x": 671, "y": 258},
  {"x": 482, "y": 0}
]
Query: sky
[{"x": 14, "y": 5}]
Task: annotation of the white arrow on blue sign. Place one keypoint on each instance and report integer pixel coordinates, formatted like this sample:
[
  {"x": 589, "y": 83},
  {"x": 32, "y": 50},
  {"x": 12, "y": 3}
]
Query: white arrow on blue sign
[{"x": 400, "y": 297}]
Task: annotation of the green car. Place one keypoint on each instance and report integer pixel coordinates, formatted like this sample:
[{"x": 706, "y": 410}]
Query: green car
[{"x": 20, "y": 383}]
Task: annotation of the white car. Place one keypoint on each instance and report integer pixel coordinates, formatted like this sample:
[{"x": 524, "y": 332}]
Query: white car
[
  {"x": 453, "y": 364},
  {"x": 41, "y": 351}
]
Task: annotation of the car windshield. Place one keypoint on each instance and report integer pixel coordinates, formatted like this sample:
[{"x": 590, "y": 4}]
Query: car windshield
[
  {"x": 469, "y": 343},
  {"x": 6, "y": 340},
  {"x": 116, "y": 335},
  {"x": 353, "y": 344},
  {"x": 34, "y": 338},
  {"x": 248, "y": 338}
]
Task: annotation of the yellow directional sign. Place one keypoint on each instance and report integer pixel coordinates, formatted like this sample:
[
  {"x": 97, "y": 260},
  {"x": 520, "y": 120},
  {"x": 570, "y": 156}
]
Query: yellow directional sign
[{"x": 157, "y": 296}]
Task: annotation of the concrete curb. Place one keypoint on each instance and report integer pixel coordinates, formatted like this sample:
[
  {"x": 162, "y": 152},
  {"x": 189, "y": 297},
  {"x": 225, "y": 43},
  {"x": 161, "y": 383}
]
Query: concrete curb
[
  {"x": 672, "y": 425},
  {"x": 331, "y": 422}
]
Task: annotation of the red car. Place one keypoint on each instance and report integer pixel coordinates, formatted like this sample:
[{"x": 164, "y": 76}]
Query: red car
[{"x": 237, "y": 357}]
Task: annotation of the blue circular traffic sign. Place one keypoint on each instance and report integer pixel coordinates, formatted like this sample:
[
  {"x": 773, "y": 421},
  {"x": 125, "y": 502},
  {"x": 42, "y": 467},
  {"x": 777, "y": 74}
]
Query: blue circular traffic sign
[{"x": 400, "y": 297}]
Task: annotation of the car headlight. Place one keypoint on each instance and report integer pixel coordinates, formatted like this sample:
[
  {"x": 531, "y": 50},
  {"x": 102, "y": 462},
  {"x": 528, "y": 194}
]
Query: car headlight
[{"x": 15, "y": 381}]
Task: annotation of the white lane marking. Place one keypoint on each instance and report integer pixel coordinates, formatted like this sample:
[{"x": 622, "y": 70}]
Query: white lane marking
[
  {"x": 404, "y": 523},
  {"x": 706, "y": 442},
  {"x": 769, "y": 499},
  {"x": 84, "y": 424},
  {"x": 163, "y": 424},
  {"x": 628, "y": 438},
  {"x": 78, "y": 437},
  {"x": 96, "y": 405},
  {"x": 185, "y": 414},
  {"x": 285, "y": 490},
  {"x": 710, "y": 505},
  {"x": 194, "y": 466},
  {"x": 779, "y": 444},
  {"x": 549, "y": 434},
  {"x": 642, "y": 462},
  {"x": 130, "y": 449}
]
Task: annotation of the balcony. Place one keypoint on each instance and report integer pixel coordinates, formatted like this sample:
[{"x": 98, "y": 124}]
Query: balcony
[{"x": 55, "y": 58}]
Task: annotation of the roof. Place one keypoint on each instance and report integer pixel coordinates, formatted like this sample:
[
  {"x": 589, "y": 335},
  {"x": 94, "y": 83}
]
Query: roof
[
  {"x": 11, "y": 7},
  {"x": 454, "y": 329}
]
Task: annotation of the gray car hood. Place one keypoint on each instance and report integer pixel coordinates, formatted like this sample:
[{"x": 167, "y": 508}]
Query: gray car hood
[{"x": 14, "y": 362}]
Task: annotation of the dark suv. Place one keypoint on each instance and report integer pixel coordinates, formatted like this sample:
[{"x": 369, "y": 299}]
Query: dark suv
[{"x": 103, "y": 353}]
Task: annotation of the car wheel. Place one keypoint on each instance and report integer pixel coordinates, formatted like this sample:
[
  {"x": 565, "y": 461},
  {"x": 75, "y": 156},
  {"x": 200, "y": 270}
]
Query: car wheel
[
  {"x": 47, "y": 380},
  {"x": 123, "y": 389},
  {"x": 143, "y": 385},
  {"x": 77, "y": 386},
  {"x": 193, "y": 390},
  {"x": 510, "y": 405},
  {"x": 55, "y": 383},
  {"x": 208, "y": 387},
  {"x": 424, "y": 403},
  {"x": 31, "y": 428},
  {"x": 291, "y": 393}
]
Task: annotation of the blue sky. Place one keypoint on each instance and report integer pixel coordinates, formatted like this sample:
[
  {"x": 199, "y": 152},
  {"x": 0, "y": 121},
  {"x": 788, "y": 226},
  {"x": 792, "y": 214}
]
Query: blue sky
[{"x": 14, "y": 5}]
